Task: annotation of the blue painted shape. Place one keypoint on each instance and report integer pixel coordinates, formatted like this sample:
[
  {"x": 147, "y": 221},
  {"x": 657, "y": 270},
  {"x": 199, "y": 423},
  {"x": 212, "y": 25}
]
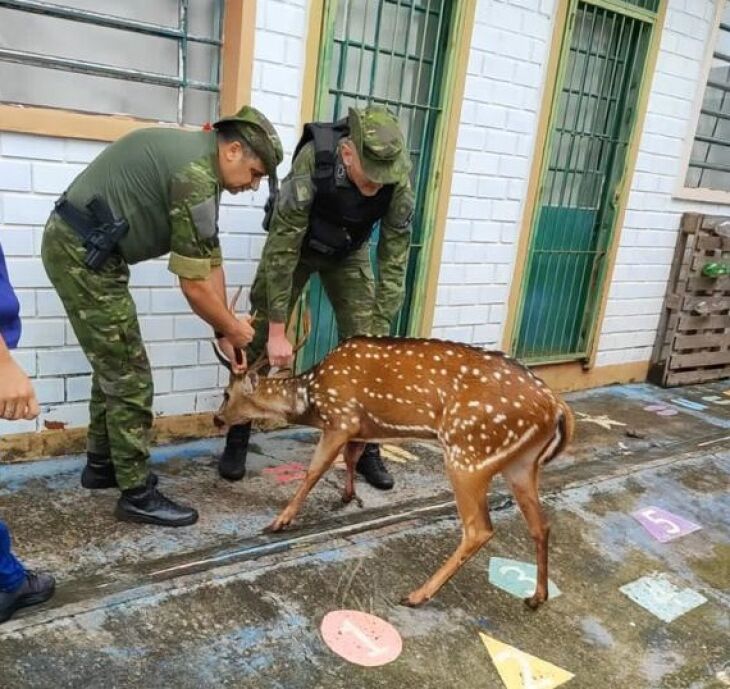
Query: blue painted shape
[
  {"x": 517, "y": 577},
  {"x": 688, "y": 404},
  {"x": 661, "y": 597},
  {"x": 13, "y": 476}
]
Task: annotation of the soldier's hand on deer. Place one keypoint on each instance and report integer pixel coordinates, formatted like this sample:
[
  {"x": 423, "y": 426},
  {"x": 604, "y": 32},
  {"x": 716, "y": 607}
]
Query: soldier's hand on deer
[
  {"x": 235, "y": 355},
  {"x": 241, "y": 332},
  {"x": 489, "y": 413},
  {"x": 278, "y": 348}
]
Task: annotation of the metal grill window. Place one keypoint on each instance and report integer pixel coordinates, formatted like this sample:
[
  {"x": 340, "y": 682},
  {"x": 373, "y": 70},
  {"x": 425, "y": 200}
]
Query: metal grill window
[
  {"x": 709, "y": 165},
  {"x": 590, "y": 134},
  {"x": 157, "y": 60},
  {"x": 651, "y": 5}
]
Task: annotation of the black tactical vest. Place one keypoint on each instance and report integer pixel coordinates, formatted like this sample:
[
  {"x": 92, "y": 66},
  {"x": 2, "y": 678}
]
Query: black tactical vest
[{"x": 341, "y": 219}]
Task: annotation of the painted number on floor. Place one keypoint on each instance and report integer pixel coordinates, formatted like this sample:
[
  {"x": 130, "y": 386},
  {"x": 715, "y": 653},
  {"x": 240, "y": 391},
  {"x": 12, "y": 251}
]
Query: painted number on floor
[
  {"x": 520, "y": 670},
  {"x": 361, "y": 638},
  {"x": 663, "y": 525}
]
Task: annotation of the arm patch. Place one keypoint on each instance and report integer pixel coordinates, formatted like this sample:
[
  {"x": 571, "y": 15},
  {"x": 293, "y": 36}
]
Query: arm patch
[{"x": 204, "y": 218}]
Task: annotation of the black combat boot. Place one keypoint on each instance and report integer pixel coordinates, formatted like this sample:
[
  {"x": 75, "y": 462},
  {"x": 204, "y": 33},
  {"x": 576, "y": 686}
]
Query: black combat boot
[
  {"x": 147, "y": 505},
  {"x": 99, "y": 472},
  {"x": 37, "y": 587},
  {"x": 371, "y": 467},
  {"x": 232, "y": 464}
]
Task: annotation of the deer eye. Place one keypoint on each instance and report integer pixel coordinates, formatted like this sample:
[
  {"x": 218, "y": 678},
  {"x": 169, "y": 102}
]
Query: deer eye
[{"x": 226, "y": 396}]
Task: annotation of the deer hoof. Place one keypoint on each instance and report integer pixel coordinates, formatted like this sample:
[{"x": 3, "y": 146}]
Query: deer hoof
[
  {"x": 534, "y": 602},
  {"x": 275, "y": 526},
  {"x": 410, "y": 602}
]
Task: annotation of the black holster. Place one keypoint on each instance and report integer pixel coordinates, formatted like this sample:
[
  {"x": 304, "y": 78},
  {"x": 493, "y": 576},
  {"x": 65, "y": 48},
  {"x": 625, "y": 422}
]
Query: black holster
[{"x": 98, "y": 229}]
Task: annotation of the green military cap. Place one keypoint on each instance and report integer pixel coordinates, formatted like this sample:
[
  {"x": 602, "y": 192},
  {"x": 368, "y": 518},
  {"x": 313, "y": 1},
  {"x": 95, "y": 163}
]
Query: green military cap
[
  {"x": 379, "y": 141},
  {"x": 256, "y": 129}
]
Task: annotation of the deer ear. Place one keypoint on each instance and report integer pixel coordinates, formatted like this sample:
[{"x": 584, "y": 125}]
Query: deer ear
[{"x": 250, "y": 381}]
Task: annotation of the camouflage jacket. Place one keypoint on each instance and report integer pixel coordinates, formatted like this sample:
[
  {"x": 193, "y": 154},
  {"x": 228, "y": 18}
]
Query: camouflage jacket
[
  {"x": 165, "y": 183},
  {"x": 288, "y": 228}
]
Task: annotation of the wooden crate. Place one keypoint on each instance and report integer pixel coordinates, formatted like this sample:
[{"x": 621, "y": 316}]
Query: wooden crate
[{"x": 693, "y": 342}]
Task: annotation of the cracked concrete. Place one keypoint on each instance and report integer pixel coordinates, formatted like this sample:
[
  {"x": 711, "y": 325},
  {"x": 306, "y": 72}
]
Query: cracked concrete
[{"x": 220, "y": 605}]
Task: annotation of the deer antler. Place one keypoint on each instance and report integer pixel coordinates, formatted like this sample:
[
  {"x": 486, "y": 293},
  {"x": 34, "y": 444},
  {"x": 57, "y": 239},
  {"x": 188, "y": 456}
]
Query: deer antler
[
  {"x": 263, "y": 359},
  {"x": 237, "y": 350}
]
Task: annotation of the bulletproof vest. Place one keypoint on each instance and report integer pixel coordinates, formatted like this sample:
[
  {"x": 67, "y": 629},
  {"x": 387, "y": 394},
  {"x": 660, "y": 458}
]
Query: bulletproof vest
[{"x": 341, "y": 219}]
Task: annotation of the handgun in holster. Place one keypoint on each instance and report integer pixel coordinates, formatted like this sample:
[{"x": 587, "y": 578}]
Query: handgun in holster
[{"x": 99, "y": 230}]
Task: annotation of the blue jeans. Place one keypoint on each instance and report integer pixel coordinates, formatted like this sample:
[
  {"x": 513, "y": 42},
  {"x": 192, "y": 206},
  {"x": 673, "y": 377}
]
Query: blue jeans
[{"x": 12, "y": 573}]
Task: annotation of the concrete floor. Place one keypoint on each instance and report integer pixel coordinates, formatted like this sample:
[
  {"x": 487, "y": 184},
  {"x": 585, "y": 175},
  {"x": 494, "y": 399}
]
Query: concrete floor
[{"x": 221, "y": 605}]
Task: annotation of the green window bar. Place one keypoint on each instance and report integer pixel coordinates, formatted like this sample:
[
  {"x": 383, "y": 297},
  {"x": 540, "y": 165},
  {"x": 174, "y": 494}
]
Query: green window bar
[
  {"x": 391, "y": 53},
  {"x": 709, "y": 164},
  {"x": 591, "y": 123},
  {"x": 180, "y": 34}
]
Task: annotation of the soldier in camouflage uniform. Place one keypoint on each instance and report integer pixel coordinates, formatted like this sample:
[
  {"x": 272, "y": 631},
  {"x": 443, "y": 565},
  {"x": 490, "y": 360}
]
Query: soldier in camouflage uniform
[
  {"x": 345, "y": 177},
  {"x": 166, "y": 184}
]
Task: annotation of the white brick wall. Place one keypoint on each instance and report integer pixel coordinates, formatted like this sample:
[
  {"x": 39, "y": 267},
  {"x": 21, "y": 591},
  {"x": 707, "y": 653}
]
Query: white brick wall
[
  {"x": 509, "y": 49},
  {"x": 651, "y": 224},
  {"x": 493, "y": 159},
  {"x": 35, "y": 169}
]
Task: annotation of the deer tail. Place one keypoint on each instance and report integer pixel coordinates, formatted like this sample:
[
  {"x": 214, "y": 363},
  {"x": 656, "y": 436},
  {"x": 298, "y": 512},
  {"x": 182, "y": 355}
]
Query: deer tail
[{"x": 563, "y": 433}]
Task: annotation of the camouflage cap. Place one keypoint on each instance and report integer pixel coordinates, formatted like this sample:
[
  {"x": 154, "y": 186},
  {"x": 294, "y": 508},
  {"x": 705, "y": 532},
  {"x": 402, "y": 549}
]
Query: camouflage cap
[
  {"x": 379, "y": 141},
  {"x": 256, "y": 129}
]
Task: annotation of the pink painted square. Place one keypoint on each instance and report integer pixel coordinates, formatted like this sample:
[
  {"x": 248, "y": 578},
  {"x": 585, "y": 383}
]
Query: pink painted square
[{"x": 663, "y": 525}]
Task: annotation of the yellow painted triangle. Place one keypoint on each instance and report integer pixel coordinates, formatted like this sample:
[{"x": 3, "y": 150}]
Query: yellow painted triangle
[
  {"x": 385, "y": 452},
  {"x": 519, "y": 670},
  {"x": 400, "y": 452}
]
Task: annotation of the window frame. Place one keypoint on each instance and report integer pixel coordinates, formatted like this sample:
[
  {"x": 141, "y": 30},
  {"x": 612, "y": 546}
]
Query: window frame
[
  {"x": 237, "y": 55},
  {"x": 701, "y": 193}
]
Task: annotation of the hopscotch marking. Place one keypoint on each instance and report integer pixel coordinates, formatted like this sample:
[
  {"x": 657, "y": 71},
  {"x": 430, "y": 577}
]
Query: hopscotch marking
[{"x": 520, "y": 670}]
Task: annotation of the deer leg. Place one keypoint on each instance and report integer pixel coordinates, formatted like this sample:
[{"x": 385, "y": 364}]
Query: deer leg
[
  {"x": 470, "y": 490},
  {"x": 325, "y": 454},
  {"x": 352, "y": 454},
  {"x": 523, "y": 480}
]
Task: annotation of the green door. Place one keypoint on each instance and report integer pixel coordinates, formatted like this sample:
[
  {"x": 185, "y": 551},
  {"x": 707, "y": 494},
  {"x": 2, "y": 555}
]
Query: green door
[
  {"x": 392, "y": 53},
  {"x": 604, "y": 51}
]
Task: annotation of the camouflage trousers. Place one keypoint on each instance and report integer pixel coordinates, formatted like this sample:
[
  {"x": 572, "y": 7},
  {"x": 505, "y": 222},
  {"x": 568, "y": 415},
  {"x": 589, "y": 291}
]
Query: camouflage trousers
[
  {"x": 104, "y": 318},
  {"x": 348, "y": 282}
]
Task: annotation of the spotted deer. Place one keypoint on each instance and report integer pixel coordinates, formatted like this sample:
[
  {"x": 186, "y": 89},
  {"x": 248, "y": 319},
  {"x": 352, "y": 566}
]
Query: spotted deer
[{"x": 489, "y": 413}]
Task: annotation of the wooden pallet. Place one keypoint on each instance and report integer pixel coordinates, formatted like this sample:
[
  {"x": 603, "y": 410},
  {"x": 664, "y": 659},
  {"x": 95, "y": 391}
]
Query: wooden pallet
[{"x": 693, "y": 342}]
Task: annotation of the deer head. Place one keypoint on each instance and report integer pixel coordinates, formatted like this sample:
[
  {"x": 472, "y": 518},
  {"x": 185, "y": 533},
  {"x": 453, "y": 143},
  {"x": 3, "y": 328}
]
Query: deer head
[{"x": 250, "y": 396}]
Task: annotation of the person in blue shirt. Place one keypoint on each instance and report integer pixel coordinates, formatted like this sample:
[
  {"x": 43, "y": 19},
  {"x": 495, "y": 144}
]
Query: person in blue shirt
[{"x": 19, "y": 587}]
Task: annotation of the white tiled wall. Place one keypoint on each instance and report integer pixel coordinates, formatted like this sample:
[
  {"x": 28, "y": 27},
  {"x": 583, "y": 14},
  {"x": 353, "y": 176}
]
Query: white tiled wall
[
  {"x": 509, "y": 49},
  {"x": 34, "y": 170},
  {"x": 506, "y": 74}
]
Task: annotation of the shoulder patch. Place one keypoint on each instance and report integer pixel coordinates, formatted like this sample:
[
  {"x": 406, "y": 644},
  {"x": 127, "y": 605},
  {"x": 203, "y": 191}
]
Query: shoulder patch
[
  {"x": 303, "y": 190},
  {"x": 402, "y": 214},
  {"x": 204, "y": 218},
  {"x": 296, "y": 193}
]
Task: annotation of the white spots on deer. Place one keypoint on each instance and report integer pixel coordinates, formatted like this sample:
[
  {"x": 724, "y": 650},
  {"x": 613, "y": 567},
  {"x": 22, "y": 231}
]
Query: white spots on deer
[
  {"x": 516, "y": 405},
  {"x": 503, "y": 400},
  {"x": 488, "y": 408},
  {"x": 473, "y": 403},
  {"x": 497, "y": 375}
]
